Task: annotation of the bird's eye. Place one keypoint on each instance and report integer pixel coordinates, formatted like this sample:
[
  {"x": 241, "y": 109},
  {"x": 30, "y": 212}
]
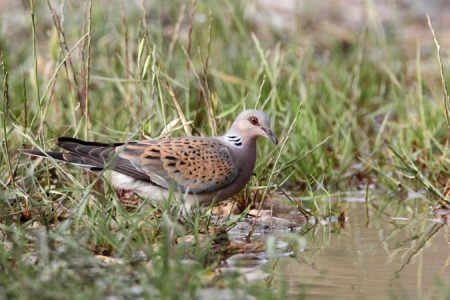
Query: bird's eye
[{"x": 253, "y": 120}]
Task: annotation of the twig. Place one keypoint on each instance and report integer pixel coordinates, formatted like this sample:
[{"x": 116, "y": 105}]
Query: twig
[
  {"x": 5, "y": 117},
  {"x": 208, "y": 96},
  {"x": 422, "y": 242},
  {"x": 56, "y": 73},
  {"x": 252, "y": 228},
  {"x": 299, "y": 206},
  {"x": 35, "y": 62},
  {"x": 184, "y": 121},
  {"x": 33, "y": 30},
  {"x": 176, "y": 33},
  {"x": 88, "y": 70},
  {"x": 419, "y": 176},
  {"x": 191, "y": 27},
  {"x": 441, "y": 69},
  {"x": 366, "y": 200},
  {"x": 63, "y": 44}
]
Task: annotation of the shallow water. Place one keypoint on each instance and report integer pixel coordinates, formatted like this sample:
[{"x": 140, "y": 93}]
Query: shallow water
[{"x": 392, "y": 257}]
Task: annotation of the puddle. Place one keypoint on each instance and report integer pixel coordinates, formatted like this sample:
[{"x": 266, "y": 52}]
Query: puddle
[{"x": 392, "y": 256}]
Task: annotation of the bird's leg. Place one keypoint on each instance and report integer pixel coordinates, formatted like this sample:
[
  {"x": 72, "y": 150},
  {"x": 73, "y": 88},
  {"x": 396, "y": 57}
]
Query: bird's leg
[{"x": 128, "y": 198}]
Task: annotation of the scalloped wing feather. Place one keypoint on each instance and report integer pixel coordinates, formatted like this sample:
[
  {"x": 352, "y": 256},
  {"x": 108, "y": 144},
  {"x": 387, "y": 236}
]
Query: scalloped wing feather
[{"x": 193, "y": 165}]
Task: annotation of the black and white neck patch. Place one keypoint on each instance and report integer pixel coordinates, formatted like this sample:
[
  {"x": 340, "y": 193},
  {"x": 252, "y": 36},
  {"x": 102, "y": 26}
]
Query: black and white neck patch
[{"x": 235, "y": 140}]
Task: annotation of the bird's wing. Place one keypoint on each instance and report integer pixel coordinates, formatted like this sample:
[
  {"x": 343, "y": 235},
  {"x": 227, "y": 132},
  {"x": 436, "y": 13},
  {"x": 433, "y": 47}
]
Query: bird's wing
[
  {"x": 96, "y": 157},
  {"x": 192, "y": 164}
]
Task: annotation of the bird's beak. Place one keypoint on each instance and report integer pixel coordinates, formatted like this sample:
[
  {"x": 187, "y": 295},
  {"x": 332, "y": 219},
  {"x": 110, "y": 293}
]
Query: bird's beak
[{"x": 270, "y": 135}]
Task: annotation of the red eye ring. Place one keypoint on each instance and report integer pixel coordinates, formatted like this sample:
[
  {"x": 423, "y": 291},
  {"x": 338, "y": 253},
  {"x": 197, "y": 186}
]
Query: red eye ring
[{"x": 253, "y": 120}]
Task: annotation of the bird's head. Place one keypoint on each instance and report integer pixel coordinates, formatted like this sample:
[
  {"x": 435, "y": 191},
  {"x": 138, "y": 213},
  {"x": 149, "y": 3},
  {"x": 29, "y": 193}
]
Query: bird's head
[{"x": 251, "y": 124}]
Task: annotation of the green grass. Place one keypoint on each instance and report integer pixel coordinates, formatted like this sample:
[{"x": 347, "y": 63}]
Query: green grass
[{"x": 128, "y": 71}]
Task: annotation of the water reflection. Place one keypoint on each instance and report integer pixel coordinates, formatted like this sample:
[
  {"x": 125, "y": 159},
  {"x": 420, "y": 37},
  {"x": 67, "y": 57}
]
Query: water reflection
[{"x": 391, "y": 257}]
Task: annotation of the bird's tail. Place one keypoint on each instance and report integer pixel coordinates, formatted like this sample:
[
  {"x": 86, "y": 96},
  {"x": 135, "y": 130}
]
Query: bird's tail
[
  {"x": 53, "y": 154},
  {"x": 93, "y": 156},
  {"x": 68, "y": 157}
]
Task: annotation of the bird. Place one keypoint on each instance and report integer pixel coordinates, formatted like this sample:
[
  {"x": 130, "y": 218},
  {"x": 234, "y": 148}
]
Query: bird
[{"x": 202, "y": 170}]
